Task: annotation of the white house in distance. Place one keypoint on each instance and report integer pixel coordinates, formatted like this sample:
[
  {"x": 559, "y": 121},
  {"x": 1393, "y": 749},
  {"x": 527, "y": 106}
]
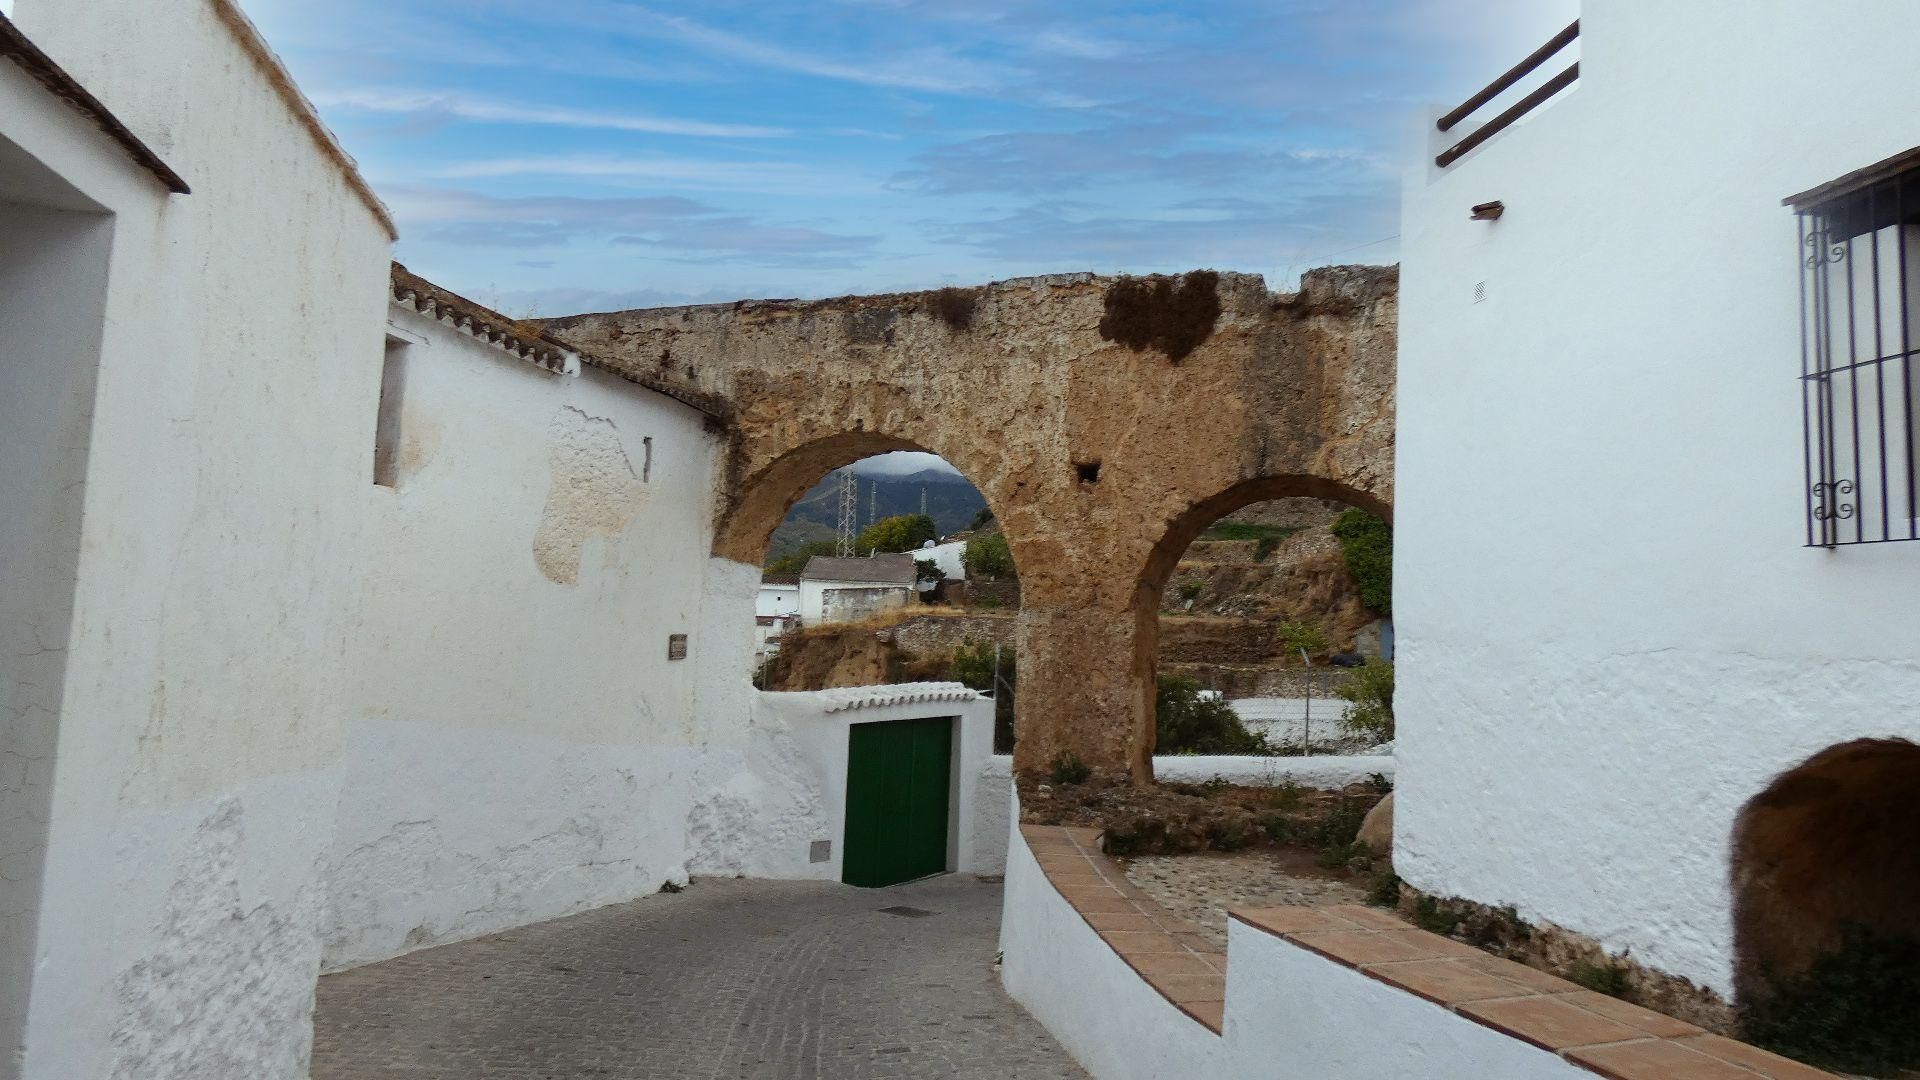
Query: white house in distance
[
  {"x": 848, "y": 590},
  {"x": 776, "y": 609},
  {"x": 948, "y": 555},
  {"x": 1664, "y": 332}
]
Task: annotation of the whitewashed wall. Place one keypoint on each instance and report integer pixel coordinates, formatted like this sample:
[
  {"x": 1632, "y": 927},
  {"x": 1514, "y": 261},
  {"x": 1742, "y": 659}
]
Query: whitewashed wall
[
  {"x": 522, "y": 747},
  {"x": 53, "y": 278},
  {"x": 204, "y": 696},
  {"x": 1610, "y": 635}
]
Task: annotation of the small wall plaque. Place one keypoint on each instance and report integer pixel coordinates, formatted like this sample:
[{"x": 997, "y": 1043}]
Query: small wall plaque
[
  {"x": 820, "y": 851},
  {"x": 676, "y": 646}
]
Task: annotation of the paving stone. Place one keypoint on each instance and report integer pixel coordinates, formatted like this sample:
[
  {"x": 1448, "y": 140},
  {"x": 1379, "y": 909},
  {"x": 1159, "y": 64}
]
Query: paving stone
[{"x": 727, "y": 980}]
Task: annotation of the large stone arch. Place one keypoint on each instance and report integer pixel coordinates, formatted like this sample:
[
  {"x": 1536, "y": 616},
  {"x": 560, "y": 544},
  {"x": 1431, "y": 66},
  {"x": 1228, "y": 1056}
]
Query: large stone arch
[{"x": 1090, "y": 451}]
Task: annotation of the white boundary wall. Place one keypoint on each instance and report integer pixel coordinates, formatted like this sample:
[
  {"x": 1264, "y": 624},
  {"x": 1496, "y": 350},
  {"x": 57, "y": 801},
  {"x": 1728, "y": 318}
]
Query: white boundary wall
[
  {"x": 812, "y": 730},
  {"x": 1293, "y": 1013},
  {"x": 1116, "y": 1025},
  {"x": 1289, "y": 1013},
  {"x": 1582, "y": 716}
]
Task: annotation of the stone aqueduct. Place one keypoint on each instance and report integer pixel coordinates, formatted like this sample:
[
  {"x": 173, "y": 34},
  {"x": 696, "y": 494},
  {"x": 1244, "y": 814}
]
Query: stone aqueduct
[{"x": 1102, "y": 459}]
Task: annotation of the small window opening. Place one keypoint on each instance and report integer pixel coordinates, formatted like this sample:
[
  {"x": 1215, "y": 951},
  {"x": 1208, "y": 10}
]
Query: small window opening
[
  {"x": 1087, "y": 471},
  {"x": 386, "y": 431},
  {"x": 646, "y": 459}
]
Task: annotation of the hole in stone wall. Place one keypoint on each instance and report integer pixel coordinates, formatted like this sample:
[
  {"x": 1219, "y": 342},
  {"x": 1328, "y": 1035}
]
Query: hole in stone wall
[
  {"x": 646, "y": 459},
  {"x": 1087, "y": 471},
  {"x": 1826, "y": 896}
]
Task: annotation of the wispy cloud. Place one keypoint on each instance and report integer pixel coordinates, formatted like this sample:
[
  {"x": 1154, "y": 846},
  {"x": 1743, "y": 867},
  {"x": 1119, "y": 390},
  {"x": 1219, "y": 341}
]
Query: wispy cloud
[
  {"x": 765, "y": 177},
  {"x": 671, "y": 227},
  {"x": 420, "y": 103}
]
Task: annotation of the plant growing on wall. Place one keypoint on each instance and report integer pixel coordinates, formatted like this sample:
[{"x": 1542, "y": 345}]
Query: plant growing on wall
[
  {"x": 1369, "y": 691},
  {"x": 1174, "y": 315},
  {"x": 1367, "y": 544},
  {"x": 988, "y": 557}
]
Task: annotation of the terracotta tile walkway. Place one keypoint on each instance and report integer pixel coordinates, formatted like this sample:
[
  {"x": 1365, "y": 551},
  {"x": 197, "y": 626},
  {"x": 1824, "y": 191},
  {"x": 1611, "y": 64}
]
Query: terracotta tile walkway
[
  {"x": 1599, "y": 1033},
  {"x": 1593, "y": 1031}
]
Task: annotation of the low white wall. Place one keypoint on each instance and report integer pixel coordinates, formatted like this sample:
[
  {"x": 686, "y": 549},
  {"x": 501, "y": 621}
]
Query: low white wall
[
  {"x": 816, "y": 724},
  {"x": 1289, "y": 1012},
  {"x": 993, "y": 815},
  {"x": 1293, "y": 1013},
  {"x": 1327, "y": 772},
  {"x": 1107, "y": 1016}
]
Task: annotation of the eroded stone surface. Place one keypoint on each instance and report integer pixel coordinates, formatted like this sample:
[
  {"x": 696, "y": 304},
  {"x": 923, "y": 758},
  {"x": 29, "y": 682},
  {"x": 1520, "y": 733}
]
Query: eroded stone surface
[{"x": 1288, "y": 396}]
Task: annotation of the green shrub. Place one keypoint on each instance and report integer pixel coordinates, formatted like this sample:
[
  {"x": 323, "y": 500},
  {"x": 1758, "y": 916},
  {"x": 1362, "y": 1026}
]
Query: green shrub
[
  {"x": 1069, "y": 769},
  {"x": 1295, "y": 636},
  {"x": 1428, "y": 915},
  {"x": 1384, "y": 890},
  {"x": 1610, "y": 976},
  {"x": 902, "y": 532},
  {"x": 1852, "y": 1011},
  {"x": 1263, "y": 548},
  {"x": 1369, "y": 692},
  {"x": 973, "y": 666},
  {"x": 1183, "y": 720},
  {"x": 1367, "y": 544},
  {"x": 1191, "y": 589},
  {"x": 1248, "y": 530},
  {"x": 988, "y": 557},
  {"x": 793, "y": 562}
]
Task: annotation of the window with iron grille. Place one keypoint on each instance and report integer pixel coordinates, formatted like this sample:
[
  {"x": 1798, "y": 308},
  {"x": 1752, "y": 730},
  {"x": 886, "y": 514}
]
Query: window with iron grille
[{"x": 1859, "y": 333}]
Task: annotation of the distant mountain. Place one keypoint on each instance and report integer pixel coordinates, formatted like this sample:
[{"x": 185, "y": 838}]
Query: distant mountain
[{"x": 951, "y": 501}]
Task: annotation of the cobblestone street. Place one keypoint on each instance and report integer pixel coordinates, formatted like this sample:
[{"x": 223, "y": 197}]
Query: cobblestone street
[{"x": 727, "y": 979}]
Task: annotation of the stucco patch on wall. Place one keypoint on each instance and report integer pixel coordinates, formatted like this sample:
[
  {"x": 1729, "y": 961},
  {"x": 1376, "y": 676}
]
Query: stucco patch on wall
[
  {"x": 596, "y": 492},
  {"x": 225, "y": 988}
]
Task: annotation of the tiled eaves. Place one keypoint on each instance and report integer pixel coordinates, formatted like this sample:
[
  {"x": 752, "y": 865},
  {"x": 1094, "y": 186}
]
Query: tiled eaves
[
  {"x": 528, "y": 341},
  {"x": 1167, "y": 951},
  {"x": 1593, "y": 1031}
]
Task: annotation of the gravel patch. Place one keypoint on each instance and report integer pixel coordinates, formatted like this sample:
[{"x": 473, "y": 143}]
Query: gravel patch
[{"x": 1201, "y": 887}]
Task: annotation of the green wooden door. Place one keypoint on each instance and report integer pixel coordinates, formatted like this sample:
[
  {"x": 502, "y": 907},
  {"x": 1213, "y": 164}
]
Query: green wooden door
[{"x": 897, "y": 781}]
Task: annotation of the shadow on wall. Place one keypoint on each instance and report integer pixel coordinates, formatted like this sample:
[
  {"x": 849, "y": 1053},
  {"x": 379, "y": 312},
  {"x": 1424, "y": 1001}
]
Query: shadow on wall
[{"x": 1826, "y": 894}]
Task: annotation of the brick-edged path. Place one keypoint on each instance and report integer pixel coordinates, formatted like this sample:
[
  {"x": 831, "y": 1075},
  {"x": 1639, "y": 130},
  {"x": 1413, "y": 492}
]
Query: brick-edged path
[{"x": 729, "y": 979}]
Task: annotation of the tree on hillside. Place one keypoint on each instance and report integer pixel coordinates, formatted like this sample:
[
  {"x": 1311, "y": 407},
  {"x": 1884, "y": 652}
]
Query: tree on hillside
[
  {"x": 793, "y": 562},
  {"x": 988, "y": 556},
  {"x": 903, "y": 532}
]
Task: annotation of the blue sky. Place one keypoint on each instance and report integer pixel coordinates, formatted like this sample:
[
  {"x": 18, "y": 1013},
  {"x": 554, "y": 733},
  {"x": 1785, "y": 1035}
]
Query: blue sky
[{"x": 569, "y": 155}]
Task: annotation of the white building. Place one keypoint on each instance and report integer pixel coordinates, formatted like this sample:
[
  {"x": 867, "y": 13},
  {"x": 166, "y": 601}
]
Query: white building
[
  {"x": 776, "y": 610},
  {"x": 1674, "y": 611},
  {"x": 948, "y": 556},
  {"x": 849, "y": 590},
  {"x": 339, "y": 616}
]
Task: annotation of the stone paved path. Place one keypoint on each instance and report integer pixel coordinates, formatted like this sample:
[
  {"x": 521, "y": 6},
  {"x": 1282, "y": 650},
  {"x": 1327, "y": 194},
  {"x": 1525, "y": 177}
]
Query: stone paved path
[{"x": 729, "y": 979}]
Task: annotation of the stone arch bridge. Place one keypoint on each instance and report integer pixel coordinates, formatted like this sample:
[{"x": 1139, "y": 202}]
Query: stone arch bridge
[{"x": 1106, "y": 421}]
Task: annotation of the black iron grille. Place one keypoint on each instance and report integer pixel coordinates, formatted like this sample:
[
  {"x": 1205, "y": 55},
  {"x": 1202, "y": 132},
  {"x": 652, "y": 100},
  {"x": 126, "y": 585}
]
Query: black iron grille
[{"x": 1859, "y": 332}]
